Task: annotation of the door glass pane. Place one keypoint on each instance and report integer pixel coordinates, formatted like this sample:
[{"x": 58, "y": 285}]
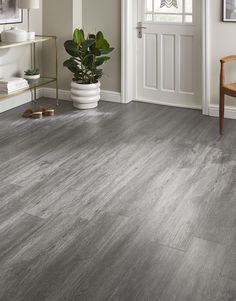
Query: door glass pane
[
  {"x": 169, "y": 11},
  {"x": 168, "y": 18},
  {"x": 148, "y": 17},
  {"x": 168, "y": 6},
  {"x": 148, "y": 5},
  {"x": 189, "y": 6},
  {"x": 188, "y": 19}
]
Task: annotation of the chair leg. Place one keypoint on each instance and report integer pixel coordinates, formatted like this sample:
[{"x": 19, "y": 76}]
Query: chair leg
[{"x": 222, "y": 112}]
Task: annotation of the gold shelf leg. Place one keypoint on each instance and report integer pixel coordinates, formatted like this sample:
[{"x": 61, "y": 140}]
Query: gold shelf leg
[
  {"x": 57, "y": 87},
  {"x": 33, "y": 101},
  {"x": 34, "y": 62}
]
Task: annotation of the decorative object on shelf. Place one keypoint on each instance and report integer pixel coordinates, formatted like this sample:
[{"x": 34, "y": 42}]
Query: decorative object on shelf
[
  {"x": 229, "y": 11},
  {"x": 9, "y": 12},
  {"x": 12, "y": 84},
  {"x": 33, "y": 85},
  {"x": 87, "y": 55},
  {"x": 29, "y": 4},
  {"x": 14, "y": 35},
  {"x": 32, "y": 74},
  {"x": 169, "y": 3}
]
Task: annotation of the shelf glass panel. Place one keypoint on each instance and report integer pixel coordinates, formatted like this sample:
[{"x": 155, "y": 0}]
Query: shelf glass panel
[
  {"x": 38, "y": 39},
  {"x": 32, "y": 85}
]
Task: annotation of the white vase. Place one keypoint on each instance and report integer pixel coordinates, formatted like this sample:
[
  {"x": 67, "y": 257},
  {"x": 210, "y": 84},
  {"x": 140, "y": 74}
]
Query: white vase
[
  {"x": 85, "y": 96},
  {"x": 32, "y": 77}
]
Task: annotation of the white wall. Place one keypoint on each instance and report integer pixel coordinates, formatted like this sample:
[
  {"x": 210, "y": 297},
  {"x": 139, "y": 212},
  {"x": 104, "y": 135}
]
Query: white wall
[{"x": 222, "y": 43}]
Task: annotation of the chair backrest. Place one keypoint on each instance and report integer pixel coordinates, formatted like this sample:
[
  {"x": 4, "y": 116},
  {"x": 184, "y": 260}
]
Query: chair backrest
[
  {"x": 228, "y": 59},
  {"x": 223, "y": 61}
]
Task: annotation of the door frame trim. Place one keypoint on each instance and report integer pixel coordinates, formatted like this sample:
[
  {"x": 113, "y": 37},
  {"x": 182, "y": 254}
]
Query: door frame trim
[{"x": 128, "y": 72}]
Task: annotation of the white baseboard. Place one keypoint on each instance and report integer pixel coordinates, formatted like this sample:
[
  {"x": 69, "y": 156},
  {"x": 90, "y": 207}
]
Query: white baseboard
[
  {"x": 111, "y": 96},
  {"x": 51, "y": 93},
  {"x": 230, "y": 112},
  {"x": 169, "y": 104},
  {"x": 13, "y": 102},
  {"x": 65, "y": 95},
  {"x": 18, "y": 100}
]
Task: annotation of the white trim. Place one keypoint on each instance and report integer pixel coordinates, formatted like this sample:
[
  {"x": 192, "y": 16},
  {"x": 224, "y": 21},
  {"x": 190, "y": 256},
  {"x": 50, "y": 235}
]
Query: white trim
[
  {"x": 127, "y": 51},
  {"x": 13, "y": 102},
  {"x": 169, "y": 104},
  {"x": 205, "y": 57},
  {"x": 40, "y": 92},
  {"x": 51, "y": 93},
  {"x": 77, "y": 13},
  {"x": 18, "y": 100},
  {"x": 111, "y": 96},
  {"x": 128, "y": 72},
  {"x": 230, "y": 112}
]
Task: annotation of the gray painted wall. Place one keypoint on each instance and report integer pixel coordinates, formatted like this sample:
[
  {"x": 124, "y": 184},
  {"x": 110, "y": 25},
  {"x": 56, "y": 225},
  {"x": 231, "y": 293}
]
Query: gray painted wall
[
  {"x": 222, "y": 43},
  {"x": 59, "y": 19},
  {"x": 105, "y": 15}
]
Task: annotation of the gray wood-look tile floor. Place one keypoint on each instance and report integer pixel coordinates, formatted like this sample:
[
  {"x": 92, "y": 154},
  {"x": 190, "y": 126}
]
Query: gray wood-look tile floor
[{"x": 122, "y": 203}]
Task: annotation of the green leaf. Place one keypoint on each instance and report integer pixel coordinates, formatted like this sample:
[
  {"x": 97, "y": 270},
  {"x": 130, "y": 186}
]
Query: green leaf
[
  {"x": 34, "y": 71},
  {"x": 102, "y": 44},
  {"x": 72, "y": 65},
  {"x": 99, "y": 36},
  {"x": 71, "y": 48},
  {"x": 106, "y": 51},
  {"x": 82, "y": 32},
  {"x": 88, "y": 43},
  {"x": 70, "y": 45},
  {"x": 78, "y": 36},
  {"x": 95, "y": 50},
  {"x": 101, "y": 60},
  {"x": 88, "y": 60}
]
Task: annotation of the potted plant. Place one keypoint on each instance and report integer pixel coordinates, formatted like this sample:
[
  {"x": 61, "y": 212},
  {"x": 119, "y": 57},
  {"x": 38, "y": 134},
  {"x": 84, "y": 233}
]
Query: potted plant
[
  {"x": 87, "y": 55},
  {"x": 32, "y": 74}
]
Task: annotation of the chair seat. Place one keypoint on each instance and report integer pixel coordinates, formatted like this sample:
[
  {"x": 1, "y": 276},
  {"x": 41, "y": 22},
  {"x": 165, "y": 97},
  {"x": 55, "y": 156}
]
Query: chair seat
[{"x": 230, "y": 89}]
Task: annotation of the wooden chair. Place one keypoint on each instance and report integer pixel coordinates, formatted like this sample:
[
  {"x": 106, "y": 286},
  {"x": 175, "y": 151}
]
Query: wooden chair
[{"x": 225, "y": 89}]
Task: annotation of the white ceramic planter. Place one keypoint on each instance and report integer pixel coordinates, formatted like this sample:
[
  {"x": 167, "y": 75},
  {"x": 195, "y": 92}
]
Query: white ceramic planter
[
  {"x": 85, "y": 96},
  {"x": 32, "y": 77}
]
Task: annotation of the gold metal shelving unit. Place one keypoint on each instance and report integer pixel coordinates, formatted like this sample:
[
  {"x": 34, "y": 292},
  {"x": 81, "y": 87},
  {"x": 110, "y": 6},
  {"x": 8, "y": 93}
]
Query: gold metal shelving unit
[{"x": 43, "y": 80}]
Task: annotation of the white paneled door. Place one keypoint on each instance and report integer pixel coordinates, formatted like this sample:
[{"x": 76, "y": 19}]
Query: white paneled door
[{"x": 169, "y": 52}]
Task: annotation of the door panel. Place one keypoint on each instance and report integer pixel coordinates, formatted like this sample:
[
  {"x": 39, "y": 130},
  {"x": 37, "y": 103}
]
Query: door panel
[
  {"x": 168, "y": 62},
  {"x": 151, "y": 61},
  {"x": 169, "y": 59},
  {"x": 186, "y": 64}
]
